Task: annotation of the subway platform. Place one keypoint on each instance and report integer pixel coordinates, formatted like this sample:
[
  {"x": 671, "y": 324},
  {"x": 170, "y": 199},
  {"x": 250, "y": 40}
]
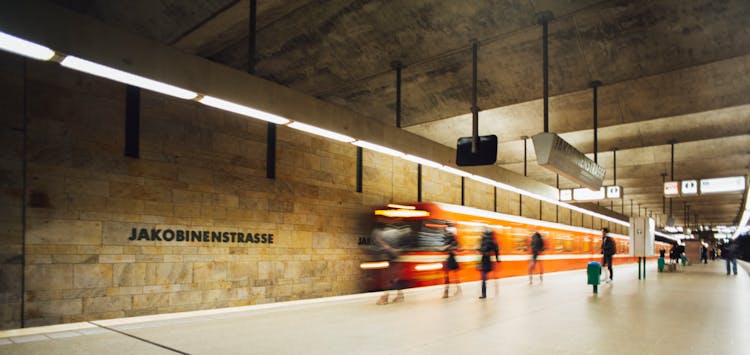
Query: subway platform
[{"x": 696, "y": 310}]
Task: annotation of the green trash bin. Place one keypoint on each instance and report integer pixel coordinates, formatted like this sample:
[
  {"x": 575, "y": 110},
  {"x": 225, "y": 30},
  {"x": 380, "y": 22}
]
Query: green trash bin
[
  {"x": 594, "y": 271},
  {"x": 661, "y": 264}
]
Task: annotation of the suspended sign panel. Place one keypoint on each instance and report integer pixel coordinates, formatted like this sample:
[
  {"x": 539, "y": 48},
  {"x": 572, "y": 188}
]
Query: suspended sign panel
[
  {"x": 554, "y": 153},
  {"x": 689, "y": 187},
  {"x": 671, "y": 188},
  {"x": 727, "y": 184},
  {"x": 614, "y": 192},
  {"x": 584, "y": 194}
]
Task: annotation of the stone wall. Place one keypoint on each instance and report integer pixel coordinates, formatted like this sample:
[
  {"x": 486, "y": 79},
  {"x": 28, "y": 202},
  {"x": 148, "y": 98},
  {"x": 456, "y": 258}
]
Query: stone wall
[{"x": 200, "y": 170}]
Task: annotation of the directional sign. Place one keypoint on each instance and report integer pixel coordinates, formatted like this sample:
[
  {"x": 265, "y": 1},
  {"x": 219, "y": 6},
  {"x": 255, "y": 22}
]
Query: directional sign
[
  {"x": 671, "y": 188},
  {"x": 689, "y": 187},
  {"x": 614, "y": 191}
]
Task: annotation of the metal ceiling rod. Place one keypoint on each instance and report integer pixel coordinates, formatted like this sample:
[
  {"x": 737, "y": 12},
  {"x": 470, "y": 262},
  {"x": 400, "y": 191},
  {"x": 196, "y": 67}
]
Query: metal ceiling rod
[
  {"x": 663, "y": 199},
  {"x": 525, "y": 155},
  {"x": 397, "y": 66},
  {"x": 251, "y": 38},
  {"x": 595, "y": 84},
  {"x": 543, "y": 18},
  {"x": 614, "y": 166},
  {"x": 474, "y": 107},
  {"x": 671, "y": 178}
]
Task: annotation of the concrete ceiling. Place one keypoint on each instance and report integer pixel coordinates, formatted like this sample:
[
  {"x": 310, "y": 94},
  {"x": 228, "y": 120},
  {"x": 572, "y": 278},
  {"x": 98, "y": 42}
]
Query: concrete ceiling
[{"x": 672, "y": 70}]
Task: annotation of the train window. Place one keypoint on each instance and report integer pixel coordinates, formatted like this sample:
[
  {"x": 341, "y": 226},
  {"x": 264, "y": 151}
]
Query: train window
[
  {"x": 586, "y": 245},
  {"x": 431, "y": 235}
]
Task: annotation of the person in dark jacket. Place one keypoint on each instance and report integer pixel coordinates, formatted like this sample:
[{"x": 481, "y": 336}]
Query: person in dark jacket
[
  {"x": 451, "y": 264},
  {"x": 537, "y": 247},
  {"x": 488, "y": 247},
  {"x": 730, "y": 254},
  {"x": 608, "y": 250}
]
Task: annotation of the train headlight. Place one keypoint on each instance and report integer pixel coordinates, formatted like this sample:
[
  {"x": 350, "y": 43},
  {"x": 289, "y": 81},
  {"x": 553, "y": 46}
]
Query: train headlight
[
  {"x": 372, "y": 265},
  {"x": 431, "y": 266}
]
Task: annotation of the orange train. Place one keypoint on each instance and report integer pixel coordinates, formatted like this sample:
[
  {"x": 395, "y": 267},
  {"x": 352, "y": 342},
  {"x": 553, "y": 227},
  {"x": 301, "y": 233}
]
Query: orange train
[{"x": 416, "y": 244}]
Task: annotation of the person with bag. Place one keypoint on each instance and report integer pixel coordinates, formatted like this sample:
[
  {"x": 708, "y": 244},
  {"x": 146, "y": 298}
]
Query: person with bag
[
  {"x": 608, "y": 250},
  {"x": 451, "y": 264},
  {"x": 537, "y": 247},
  {"x": 487, "y": 248}
]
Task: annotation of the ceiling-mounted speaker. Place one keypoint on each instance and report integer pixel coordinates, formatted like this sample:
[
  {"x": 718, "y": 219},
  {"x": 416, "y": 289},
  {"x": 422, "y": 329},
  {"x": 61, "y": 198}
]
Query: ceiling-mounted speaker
[{"x": 486, "y": 153}]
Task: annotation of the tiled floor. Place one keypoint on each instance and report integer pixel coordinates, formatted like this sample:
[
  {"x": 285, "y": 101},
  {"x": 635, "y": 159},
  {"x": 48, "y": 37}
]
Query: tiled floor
[{"x": 698, "y": 310}]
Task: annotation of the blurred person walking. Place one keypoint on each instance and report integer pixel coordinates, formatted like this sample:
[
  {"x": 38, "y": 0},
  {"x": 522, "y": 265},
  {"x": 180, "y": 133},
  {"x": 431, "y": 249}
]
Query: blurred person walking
[
  {"x": 487, "y": 248},
  {"x": 451, "y": 264},
  {"x": 388, "y": 243},
  {"x": 537, "y": 247},
  {"x": 608, "y": 250}
]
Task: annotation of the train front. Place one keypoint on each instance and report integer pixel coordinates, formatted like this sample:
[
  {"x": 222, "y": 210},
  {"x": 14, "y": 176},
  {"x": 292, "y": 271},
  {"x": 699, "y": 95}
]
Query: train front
[{"x": 407, "y": 248}]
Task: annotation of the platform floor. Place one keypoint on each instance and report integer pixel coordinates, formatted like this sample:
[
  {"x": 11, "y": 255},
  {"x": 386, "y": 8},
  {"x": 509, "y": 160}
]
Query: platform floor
[{"x": 698, "y": 310}]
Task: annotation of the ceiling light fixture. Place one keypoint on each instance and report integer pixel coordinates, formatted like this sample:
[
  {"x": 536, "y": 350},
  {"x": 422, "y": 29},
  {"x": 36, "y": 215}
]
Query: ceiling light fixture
[
  {"x": 423, "y": 161},
  {"x": 25, "y": 48},
  {"x": 454, "y": 171},
  {"x": 321, "y": 132},
  {"x": 103, "y": 71},
  {"x": 378, "y": 148},
  {"x": 242, "y": 110}
]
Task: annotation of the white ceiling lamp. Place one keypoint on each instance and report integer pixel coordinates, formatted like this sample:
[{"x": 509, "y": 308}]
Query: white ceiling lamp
[
  {"x": 423, "y": 161},
  {"x": 321, "y": 132},
  {"x": 454, "y": 171},
  {"x": 25, "y": 48},
  {"x": 378, "y": 148},
  {"x": 242, "y": 110},
  {"x": 103, "y": 71}
]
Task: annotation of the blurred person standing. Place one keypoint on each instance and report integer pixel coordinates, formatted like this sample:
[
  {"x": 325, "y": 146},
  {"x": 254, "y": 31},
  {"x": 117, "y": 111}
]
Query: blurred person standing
[
  {"x": 537, "y": 247},
  {"x": 608, "y": 251},
  {"x": 487, "y": 248},
  {"x": 674, "y": 254},
  {"x": 730, "y": 254},
  {"x": 451, "y": 264}
]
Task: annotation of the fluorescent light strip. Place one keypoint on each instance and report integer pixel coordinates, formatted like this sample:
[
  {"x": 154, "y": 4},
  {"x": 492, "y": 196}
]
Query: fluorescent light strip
[
  {"x": 33, "y": 50},
  {"x": 126, "y": 78},
  {"x": 511, "y": 218},
  {"x": 546, "y": 199},
  {"x": 321, "y": 132},
  {"x": 241, "y": 110},
  {"x": 25, "y": 48},
  {"x": 378, "y": 148},
  {"x": 482, "y": 179},
  {"x": 422, "y": 161},
  {"x": 454, "y": 171}
]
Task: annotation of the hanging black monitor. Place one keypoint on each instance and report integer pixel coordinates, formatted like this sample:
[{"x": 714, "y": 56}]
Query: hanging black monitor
[{"x": 486, "y": 153}]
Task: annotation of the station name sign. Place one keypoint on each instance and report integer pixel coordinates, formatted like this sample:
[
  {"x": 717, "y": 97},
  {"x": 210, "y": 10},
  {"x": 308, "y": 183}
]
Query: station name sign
[
  {"x": 554, "y": 153},
  {"x": 204, "y": 236},
  {"x": 704, "y": 186}
]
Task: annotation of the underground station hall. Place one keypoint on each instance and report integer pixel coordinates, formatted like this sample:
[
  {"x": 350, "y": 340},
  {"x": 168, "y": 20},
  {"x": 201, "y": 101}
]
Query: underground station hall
[{"x": 374, "y": 177}]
